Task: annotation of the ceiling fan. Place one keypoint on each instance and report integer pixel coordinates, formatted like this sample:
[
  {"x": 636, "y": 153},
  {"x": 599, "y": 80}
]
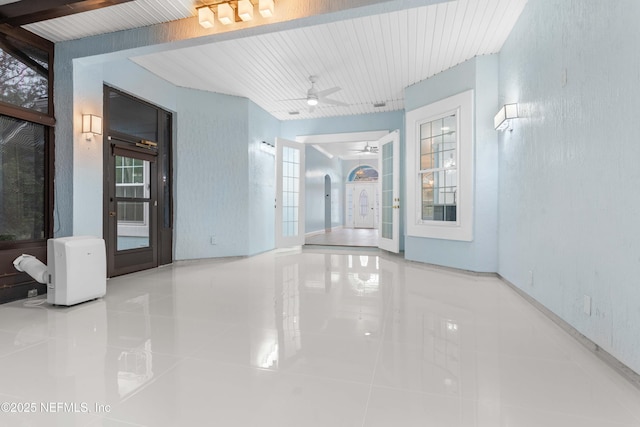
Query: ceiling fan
[
  {"x": 367, "y": 149},
  {"x": 314, "y": 96}
]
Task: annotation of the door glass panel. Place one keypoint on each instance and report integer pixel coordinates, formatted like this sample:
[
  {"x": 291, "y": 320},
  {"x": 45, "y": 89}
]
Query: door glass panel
[
  {"x": 132, "y": 117},
  {"x": 132, "y": 177},
  {"x": 387, "y": 191},
  {"x": 133, "y": 225},
  {"x": 290, "y": 190},
  {"x": 132, "y": 195},
  {"x": 364, "y": 204}
]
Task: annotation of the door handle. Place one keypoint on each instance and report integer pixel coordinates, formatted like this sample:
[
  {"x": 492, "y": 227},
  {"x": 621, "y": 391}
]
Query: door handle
[{"x": 112, "y": 213}]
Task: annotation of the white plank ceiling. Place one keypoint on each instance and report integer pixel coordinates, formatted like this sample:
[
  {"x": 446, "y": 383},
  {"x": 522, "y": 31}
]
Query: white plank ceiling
[
  {"x": 134, "y": 14},
  {"x": 373, "y": 58}
]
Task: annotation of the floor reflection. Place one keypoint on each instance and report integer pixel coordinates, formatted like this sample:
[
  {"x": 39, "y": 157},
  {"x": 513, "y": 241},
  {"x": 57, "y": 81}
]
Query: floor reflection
[
  {"x": 135, "y": 362},
  {"x": 306, "y": 337}
]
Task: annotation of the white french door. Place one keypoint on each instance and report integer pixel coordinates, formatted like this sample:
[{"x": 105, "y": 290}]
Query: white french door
[
  {"x": 389, "y": 178},
  {"x": 289, "y": 193}
]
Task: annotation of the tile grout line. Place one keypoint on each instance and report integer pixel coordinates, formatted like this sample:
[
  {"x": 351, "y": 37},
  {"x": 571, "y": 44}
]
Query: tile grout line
[{"x": 375, "y": 368}]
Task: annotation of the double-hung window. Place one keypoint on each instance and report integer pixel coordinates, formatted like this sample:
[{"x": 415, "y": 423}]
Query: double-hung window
[{"x": 440, "y": 169}]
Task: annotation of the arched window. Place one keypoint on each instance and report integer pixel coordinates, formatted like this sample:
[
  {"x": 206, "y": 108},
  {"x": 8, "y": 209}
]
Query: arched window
[{"x": 363, "y": 173}]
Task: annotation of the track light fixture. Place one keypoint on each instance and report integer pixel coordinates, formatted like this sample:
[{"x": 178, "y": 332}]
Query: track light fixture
[
  {"x": 206, "y": 17},
  {"x": 245, "y": 10},
  {"x": 267, "y": 8},
  {"x": 230, "y": 11},
  {"x": 225, "y": 14}
]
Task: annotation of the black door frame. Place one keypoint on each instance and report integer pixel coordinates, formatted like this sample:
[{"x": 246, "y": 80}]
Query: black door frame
[{"x": 160, "y": 251}]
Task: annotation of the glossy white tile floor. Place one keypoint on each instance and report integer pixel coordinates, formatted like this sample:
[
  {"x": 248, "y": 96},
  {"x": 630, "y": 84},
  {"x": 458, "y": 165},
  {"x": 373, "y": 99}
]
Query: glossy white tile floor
[{"x": 312, "y": 338}]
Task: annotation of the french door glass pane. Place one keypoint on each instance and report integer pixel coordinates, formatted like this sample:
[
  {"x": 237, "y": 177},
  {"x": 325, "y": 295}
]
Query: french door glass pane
[
  {"x": 387, "y": 192},
  {"x": 290, "y": 190}
]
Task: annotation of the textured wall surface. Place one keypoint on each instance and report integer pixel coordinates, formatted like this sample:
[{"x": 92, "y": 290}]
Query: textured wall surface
[
  {"x": 87, "y": 155},
  {"x": 223, "y": 179},
  {"x": 569, "y": 170},
  {"x": 87, "y": 170},
  {"x": 480, "y": 74},
  {"x": 212, "y": 181},
  {"x": 261, "y": 177}
]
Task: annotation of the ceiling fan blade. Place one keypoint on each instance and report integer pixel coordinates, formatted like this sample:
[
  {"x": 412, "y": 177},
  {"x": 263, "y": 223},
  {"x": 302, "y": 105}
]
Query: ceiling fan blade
[
  {"x": 292, "y": 99},
  {"x": 333, "y": 102},
  {"x": 328, "y": 92}
]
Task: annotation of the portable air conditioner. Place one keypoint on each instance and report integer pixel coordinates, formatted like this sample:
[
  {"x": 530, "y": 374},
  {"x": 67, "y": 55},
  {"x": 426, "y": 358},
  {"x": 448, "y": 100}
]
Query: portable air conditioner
[{"x": 77, "y": 270}]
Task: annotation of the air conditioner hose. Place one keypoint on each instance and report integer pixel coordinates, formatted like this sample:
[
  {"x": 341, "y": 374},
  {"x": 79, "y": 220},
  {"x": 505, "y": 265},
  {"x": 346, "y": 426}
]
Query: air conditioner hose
[{"x": 32, "y": 266}]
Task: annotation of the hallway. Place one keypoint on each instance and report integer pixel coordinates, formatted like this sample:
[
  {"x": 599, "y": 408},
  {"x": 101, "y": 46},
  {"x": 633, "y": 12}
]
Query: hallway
[{"x": 305, "y": 338}]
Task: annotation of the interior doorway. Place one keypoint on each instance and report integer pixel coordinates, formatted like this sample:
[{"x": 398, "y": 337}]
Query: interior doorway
[
  {"x": 138, "y": 216},
  {"x": 381, "y": 205},
  {"x": 362, "y": 198}
]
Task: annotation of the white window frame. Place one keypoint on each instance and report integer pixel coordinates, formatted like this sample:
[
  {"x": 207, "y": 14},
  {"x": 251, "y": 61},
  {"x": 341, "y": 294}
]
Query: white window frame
[{"x": 462, "y": 229}]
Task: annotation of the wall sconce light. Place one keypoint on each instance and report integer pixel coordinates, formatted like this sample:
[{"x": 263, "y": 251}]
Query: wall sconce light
[
  {"x": 206, "y": 17},
  {"x": 502, "y": 120},
  {"x": 91, "y": 125},
  {"x": 230, "y": 11}
]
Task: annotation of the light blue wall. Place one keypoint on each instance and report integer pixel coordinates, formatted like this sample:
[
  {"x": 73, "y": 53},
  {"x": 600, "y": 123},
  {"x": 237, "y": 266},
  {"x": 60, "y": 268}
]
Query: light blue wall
[
  {"x": 262, "y": 127},
  {"x": 212, "y": 193},
  {"x": 87, "y": 173},
  {"x": 569, "y": 170},
  {"x": 481, "y": 75},
  {"x": 317, "y": 166},
  {"x": 223, "y": 180}
]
